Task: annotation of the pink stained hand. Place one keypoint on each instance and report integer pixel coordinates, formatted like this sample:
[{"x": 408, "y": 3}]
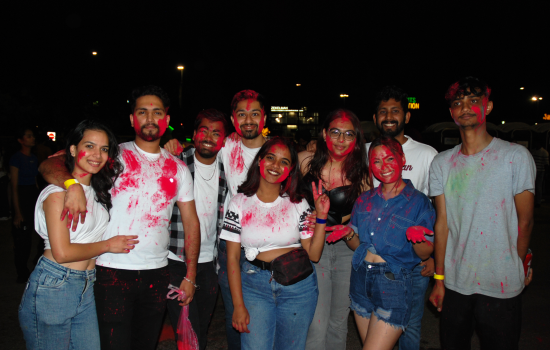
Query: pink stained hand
[
  {"x": 338, "y": 232},
  {"x": 234, "y": 137},
  {"x": 173, "y": 147},
  {"x": 415, "y": 234},
  {"x": 322, "y": 202}
]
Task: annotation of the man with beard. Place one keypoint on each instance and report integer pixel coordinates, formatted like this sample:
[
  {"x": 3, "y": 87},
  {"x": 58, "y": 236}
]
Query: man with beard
[
  {"x": 484, "y": 201},
  {"x": 248, "y": 118},
  {"x": 209, "y": 190},
  {"x": 130, "y": 291},
  {"x": 391, "y": 115}
]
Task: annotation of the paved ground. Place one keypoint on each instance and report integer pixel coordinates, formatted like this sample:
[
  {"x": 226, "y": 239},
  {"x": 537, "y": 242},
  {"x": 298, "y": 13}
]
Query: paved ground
[{"x": 535, "y": 332}]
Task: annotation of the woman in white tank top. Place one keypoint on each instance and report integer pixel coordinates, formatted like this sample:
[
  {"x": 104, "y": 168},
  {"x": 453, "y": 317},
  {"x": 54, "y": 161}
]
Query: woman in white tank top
[{"x": 57, "y": 310}]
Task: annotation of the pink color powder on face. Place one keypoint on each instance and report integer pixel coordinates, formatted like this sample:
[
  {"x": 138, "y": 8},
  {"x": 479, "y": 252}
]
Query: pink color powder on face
[
  {"x": 163, "y": 124},
  {"x": 383, "y": 153},
  {"x": 81, "y": 155},
  {"x": 237, "y": 125}
]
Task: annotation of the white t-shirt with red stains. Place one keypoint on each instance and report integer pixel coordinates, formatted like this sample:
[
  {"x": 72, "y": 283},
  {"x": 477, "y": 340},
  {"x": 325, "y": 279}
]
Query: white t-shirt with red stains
[
  {"x": 143, "y": 198},
  {"x": 236, "y": 159},
  {"x": 261, "y": 227}
]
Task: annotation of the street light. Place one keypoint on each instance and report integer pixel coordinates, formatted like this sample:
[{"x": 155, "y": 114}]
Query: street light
[
  {"x": 94, "y": 53},
  {"x": 344, "y": 97},
  {"x": 181, "y": 68},
  {"x": 298, "y": 84},
  {"x": 534, "y": 98},
  {"x": 521, "y": 88}
]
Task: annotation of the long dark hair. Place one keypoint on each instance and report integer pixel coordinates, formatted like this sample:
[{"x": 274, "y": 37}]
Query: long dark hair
[
  {"x": 104, "y": 180},
  {"x": 355, "y": 168},
  {"x": 289, "y": 187}
]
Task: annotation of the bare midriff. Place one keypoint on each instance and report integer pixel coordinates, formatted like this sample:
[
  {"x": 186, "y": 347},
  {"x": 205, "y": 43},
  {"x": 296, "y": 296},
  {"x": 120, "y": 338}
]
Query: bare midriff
[
  {"x": 371, "y": 257},
  {"x": 76, "y": 265},
  {"x": 272, "y": 254}
]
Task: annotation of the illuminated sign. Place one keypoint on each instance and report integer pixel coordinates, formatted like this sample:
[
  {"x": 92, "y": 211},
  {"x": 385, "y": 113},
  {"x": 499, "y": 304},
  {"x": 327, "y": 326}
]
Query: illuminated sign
[
  {"x": 284, "y": 109},
  {"x": 413, "y": 104},
  {"x": 51, "y": 135},
  {"x": 546, "y": 116}
]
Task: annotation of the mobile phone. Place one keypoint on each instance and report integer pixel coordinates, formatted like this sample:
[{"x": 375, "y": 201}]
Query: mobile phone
[{"x": 527, "y": 262}]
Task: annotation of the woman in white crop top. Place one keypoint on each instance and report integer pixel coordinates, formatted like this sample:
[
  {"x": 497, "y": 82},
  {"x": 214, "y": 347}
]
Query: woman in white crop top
[
  {"x": 268, "y": 217},
  {"x": 57, "y": 310}
]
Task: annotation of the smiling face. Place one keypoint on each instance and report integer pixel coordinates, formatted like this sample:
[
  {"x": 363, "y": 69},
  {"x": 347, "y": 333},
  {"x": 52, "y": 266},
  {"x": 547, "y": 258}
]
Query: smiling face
[
  {"x": 275, "y": 166},
  {"x": 470, "y": 111},
  {"x": 340, "y": 138},
  {"x": 209, "y": 138},
  {"x": 386, "y": 166},
  {"x": 248, "y": 119},
  {"x": 149, "y": 119},
  {"x": 91, "y": 153},
  {"x": 390, "y": 119}
]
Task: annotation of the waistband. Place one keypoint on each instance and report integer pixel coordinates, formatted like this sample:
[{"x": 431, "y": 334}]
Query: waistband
[
  {"x": 61, "y": 270},
  {"x": 261, "y": 264}
]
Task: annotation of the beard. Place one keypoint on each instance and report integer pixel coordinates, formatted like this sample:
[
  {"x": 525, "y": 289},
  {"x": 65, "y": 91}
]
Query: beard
[
  {"x": 392, "y": 133},
  {"x": 250, "y": 134},
  {"x": 152, "y": 135},
  {"x": 205, "y": 152}
]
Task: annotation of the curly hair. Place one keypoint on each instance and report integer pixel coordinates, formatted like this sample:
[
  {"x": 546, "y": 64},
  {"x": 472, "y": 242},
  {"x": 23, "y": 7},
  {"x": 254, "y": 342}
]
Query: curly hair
[
  {"x": 394, "y": 92},
  {"x": 467, "y": 86},
  {"x": 104, "y": 180},
  {"x": 355, "y": 168},
  {"x": 290, "y": 187}
]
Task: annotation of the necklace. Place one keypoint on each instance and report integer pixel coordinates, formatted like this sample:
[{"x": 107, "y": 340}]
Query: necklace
[{"x": 213, "y": 172}]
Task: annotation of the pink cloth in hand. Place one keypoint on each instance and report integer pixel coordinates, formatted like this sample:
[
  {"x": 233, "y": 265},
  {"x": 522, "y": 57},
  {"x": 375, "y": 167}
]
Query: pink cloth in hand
[{"x": 415, "y": 234}]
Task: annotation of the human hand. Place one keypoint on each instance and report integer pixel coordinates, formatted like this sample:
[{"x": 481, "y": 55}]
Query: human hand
[
  {"x": 322, "y": 202},
  {"x": 529, "y": 276},
  {"x": 18, "y": 219},
  {"x": 122, "y": 244},
  {"x": 173, "y": 147},
  {"x": 58, "y": 153},
  {"x": 339, "y": 232},
  {"x": 188, "y": 290},
  {"x": 437, "y": 295},
  {"x": 429, "y": 267},
  {"x": 75, "y": 206},
  {"x": 241, "y": 319},
  {"x": 234, "y": 137},
  {"x": 311, "y": 219},
  {"x": 415, "y": 234},
  {"x": 311, "y": 146}
]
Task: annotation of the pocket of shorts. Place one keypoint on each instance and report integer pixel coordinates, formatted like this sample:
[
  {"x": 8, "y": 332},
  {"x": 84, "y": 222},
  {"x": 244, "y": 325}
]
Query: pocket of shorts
[{"x": 48, "y": 281}]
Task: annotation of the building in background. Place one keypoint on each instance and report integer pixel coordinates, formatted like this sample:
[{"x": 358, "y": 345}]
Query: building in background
[{"x": 285, "y": 122}]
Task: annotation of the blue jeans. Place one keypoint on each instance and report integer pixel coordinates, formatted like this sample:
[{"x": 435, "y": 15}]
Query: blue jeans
[
  {"x": 233, "y": 336},
  {"x": 410, "y": 339},
  {"x": 58, "y": 308},
  {"x": 279, "y": 315}
]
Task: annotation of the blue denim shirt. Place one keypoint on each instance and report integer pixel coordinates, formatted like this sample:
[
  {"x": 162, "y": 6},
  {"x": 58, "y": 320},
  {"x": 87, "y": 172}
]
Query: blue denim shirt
[{"x": 382, "y": 224}]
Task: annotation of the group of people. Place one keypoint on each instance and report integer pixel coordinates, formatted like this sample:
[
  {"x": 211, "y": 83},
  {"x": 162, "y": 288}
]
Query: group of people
[{"x": 293, "y": 240}]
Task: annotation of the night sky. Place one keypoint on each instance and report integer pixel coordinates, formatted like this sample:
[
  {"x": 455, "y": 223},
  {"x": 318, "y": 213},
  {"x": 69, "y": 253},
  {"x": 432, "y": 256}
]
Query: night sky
[{"x": 50, "y": 77}]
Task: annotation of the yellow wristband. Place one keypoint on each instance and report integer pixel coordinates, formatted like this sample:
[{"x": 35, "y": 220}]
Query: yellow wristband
[
  {"x": 439, "y": 277},
  {"x": 70, "y": 182}
]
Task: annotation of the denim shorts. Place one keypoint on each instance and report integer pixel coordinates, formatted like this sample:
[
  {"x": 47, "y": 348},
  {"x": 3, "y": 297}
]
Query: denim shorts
[{"x": 386, "y": 292}]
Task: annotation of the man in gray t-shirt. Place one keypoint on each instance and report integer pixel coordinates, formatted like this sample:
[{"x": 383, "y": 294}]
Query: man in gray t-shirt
[{"x": 483, "y": 191}]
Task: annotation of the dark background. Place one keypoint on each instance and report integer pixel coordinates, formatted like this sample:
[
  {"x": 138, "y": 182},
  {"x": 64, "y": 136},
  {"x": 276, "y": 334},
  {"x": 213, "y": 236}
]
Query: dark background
[{"x": 50, "y": 78}]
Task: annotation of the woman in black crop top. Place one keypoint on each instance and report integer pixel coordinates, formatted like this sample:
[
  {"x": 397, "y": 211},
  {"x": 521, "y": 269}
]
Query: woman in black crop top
[{"x": 340, "y": 162}]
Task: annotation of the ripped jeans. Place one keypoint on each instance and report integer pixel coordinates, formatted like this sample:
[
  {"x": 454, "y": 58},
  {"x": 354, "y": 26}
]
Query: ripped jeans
[{"x": 386, "y": 292}]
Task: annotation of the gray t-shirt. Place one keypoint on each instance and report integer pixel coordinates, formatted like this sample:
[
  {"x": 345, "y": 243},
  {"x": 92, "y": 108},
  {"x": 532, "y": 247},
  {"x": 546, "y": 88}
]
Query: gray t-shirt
[{"x": 481, "y": 255}]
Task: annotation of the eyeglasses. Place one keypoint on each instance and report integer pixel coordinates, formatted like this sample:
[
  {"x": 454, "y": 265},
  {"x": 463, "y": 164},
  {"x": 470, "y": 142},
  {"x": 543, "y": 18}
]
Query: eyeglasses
[{"x": 335, "y": 134}]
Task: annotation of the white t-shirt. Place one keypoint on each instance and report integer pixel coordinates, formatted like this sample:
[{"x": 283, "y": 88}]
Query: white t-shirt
[
  {"x": 417, "y": 168},
  {"x": 90, "y": 231},
  {"x": 206, "y": 194},
  {"x": 143, "y": 198},
  {"x": 261, "y": 227},
  {"x": 236, "y": 159}
]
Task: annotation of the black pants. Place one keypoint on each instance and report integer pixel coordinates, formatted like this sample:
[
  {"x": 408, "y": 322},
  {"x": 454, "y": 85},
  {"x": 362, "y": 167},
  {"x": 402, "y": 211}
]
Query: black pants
[
  {"x": 130, "y": 307},
  {"x": 22, "y": 236},
  {"x": 497, "y": 321},
  {"x": 204, "y": 301}
]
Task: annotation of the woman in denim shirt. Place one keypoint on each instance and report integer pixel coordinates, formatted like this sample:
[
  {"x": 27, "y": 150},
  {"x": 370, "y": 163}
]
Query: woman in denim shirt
[{"x": 391, "y": 221}]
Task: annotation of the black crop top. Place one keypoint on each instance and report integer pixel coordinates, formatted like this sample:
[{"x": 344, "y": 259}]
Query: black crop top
[{"x": 339, "y": 204}]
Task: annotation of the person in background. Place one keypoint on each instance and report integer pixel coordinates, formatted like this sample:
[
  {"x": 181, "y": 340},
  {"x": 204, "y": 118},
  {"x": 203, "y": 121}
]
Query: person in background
[
  {"x": 340, "y": 163},
  {"x": 23, "y": 171},
  {"x": 540, "y": 156}
]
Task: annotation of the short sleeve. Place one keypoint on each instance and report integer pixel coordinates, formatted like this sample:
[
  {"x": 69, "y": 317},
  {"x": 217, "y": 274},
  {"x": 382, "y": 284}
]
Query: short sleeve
[
  {"x": 304, "y": 210},
  {"x": 15, "y": 161},
  {"x": 436, "y": 179},
  {"x": 523, "y": 171},
  {"x": 427, "y": 216},
  {"x": 231, "y": 230},
  {"x": 185, "y": 192}
]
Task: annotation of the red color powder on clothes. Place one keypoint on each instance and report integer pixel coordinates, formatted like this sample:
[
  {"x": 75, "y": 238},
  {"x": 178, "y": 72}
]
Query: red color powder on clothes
[
  {"x": 130, "y": 176},
  {"x": 237, "y": 160},
  {"x": 168, "y": 183}
]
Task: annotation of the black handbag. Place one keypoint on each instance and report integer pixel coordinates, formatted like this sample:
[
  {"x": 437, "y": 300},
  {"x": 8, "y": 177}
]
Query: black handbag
[{"x": 292, "y": 267}]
